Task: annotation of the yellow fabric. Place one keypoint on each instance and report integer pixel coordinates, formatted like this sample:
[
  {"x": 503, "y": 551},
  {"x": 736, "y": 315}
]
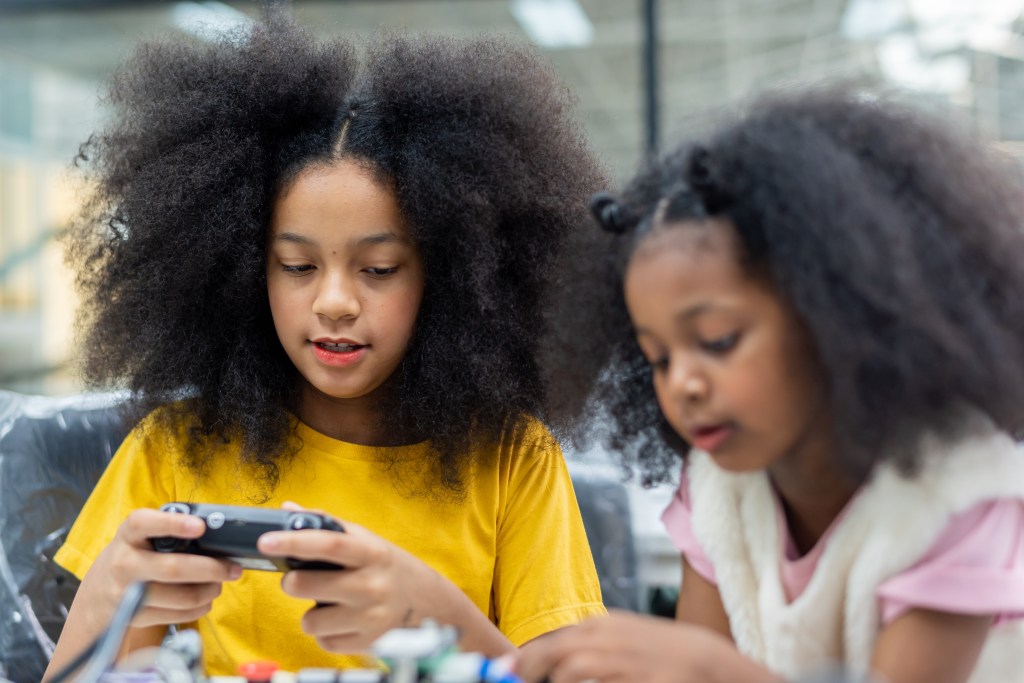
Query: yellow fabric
[{"x": 515, "y": 544}]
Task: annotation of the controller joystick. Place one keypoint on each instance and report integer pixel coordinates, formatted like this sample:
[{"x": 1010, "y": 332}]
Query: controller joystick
[{"x": 170, "y": 544}]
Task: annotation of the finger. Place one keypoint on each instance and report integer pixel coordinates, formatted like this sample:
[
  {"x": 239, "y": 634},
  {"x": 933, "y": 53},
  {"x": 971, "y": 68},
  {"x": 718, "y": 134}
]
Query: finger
[
  {"x": 354, "y": 644},
  {"x": 144, "y": 524},
  {"x": 586, "y": 665},
  {"x": 163, "y": 616},
  {"x": 178, "y": 568},
  {"x": 345, "y": 548},
  {"x": 338, "y": 628},
  {"x": 340, "y": 620},
  {"x": 539, "y": 657},
  {"x": 355, "y": 587},
  {"x": 292, "y": 506},
  {"x": 324, "y": 586},
  {"x": 181, "y": 596}
]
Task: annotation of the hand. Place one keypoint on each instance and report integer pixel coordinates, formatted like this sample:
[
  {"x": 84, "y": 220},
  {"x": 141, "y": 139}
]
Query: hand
[
  {"x": 181, "y": 586},
  {"x": 625, "y": 647},
  {"x": 381, "y": 586}
]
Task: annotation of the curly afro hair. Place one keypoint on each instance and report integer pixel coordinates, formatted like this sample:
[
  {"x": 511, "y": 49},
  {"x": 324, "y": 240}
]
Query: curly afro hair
[
  {"x": 897, "y": 238},
  {"x": 475, "y": 137}
]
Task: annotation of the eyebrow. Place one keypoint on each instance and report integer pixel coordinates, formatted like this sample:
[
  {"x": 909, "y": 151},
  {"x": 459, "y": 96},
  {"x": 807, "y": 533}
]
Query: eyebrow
[
  {"x": 686, "y": 314},
  {"x": 377, "y": 238},
  {"x": 294, "y": 237}
]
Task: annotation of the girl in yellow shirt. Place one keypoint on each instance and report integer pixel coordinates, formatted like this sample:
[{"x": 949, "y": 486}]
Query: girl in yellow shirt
[{"x": 324, "y": 284}]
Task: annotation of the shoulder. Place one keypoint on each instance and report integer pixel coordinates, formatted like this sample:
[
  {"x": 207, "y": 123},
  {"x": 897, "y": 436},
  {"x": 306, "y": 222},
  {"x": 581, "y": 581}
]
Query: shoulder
[
  {"x": 529, "y": 438},
  {"x": 974, "y": 566},
  {"x": 526, "y": 458},
  {"x": 172, "y": 428},
  {"x": 174, "y": 420},
  {"x": 956, "y": 473}
]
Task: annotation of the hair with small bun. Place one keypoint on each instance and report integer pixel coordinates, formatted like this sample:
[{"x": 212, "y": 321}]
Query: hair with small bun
[{"x": 896, "y": 238}]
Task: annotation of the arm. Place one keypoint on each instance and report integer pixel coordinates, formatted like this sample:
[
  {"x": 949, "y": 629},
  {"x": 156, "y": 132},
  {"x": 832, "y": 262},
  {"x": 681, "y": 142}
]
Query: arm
[
  {"x": 922, "y": 646},
  {"x": 626, "y": 647},
  {"x": 700, "y": 603},
  {"x": 696, "y": 648},
  {"x": 925, "y": 646},
  {"x": 181, "y": 587}
]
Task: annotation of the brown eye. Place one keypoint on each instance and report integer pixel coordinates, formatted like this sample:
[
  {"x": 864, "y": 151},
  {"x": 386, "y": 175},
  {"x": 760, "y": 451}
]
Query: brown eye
[
  {"x": 381, "y": 272},
  {"x": 659, "y": 364},
  {"x": 721, "y": 344}
]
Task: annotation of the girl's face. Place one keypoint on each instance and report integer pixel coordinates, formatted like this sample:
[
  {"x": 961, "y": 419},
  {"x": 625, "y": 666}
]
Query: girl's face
[
  {"x": 733, "y": 368},
  {"x": 344, "y": 280}
]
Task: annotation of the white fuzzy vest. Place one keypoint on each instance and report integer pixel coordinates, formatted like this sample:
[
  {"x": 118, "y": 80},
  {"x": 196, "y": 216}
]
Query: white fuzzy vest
[{"x": 889, "y": 525}]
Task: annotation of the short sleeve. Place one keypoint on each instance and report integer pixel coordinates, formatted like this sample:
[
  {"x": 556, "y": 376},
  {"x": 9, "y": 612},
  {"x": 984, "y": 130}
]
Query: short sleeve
[
  {"x": 678, "y": 521},
  {"x": 544, "y": 575},
  {"x": 132, "y": 480},
  {"x": 976, "y": 567}
]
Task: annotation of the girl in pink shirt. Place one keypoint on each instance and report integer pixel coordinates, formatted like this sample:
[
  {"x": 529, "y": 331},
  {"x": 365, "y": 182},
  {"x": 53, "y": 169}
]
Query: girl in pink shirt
[{"x": 820, "y": 306}]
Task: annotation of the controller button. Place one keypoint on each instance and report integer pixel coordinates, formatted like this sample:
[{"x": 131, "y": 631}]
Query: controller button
[
  {"x": 215, "y": 520},
  {"x": 302, "y": 522}
]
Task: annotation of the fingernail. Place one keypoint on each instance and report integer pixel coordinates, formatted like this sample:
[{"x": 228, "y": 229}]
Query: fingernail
[
  {"x": 235, "y": 571},
  {"x": 194, "y": 524},
  {"x": 270, "y": 541}
]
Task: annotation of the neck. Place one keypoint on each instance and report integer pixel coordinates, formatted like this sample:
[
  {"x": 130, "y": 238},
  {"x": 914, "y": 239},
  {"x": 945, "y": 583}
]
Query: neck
[
  {"x": 812, "y": 487},
  {"x": 353, "y": 420}
]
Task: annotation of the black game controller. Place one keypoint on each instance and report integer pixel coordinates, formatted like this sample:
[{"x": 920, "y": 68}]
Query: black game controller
[{"x": 232, "y": 531}]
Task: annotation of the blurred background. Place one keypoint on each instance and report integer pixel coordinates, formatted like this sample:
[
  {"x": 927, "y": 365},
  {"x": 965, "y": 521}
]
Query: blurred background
[{"x": 641, "y": 70}]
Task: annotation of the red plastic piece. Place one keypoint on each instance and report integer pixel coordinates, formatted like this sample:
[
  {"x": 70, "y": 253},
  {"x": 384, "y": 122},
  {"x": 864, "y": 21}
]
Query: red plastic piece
[{"x": 258, "y": 672}]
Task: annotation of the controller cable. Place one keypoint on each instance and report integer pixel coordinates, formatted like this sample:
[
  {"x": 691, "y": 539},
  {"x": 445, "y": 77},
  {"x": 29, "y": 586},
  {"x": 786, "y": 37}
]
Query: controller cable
[{"x": 101, "y": 652}]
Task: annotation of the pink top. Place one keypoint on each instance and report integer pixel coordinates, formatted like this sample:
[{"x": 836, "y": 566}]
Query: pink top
[{"x": 976, "y": 566}]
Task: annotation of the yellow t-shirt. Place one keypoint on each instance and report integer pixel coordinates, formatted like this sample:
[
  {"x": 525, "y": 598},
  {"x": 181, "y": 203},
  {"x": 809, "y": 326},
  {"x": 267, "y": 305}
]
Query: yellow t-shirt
[{"x": 515, "y": 544}]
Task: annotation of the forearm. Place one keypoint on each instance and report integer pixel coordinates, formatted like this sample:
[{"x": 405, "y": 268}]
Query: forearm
[
  {"x": 736, "y": 668},
  {"x": 90, "y": 615},
  {"x": 444, "y": 602},
  {"x": 86, "y": 621}
]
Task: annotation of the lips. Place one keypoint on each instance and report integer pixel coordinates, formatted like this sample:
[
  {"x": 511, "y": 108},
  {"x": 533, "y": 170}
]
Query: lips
[
  {"x": 711, "y": 437},
  {"x": 338, "y": 352},
  {"x": 338, "y": 348}
]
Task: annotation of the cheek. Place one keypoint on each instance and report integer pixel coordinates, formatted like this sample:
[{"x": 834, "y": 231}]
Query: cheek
[
  {"x": 277, "y": 301},
  {"x": 398, "y": 314},
  {"x": 285, "y": 311},
  {"x": 669, "y": 408},
  {"x": 761, "y": 389},
  {"x": 773, "y": 395}
]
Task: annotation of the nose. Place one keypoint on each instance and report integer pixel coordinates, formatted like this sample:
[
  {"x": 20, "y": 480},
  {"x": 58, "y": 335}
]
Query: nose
[
  {"x": 688, "y": 381},
  {"x": 337, "y": 297}
]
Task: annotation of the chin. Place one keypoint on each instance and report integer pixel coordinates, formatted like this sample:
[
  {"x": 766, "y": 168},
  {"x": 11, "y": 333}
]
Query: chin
[
  {"x": 342, "y": 394},
  {"x": 731, "y": 462}
]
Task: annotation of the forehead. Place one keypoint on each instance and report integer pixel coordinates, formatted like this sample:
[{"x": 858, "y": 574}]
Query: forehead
[
  {"x": 338, "y": 199},
  {"x": 706, "y": 248},
  {"x": 691, "y": 263}
]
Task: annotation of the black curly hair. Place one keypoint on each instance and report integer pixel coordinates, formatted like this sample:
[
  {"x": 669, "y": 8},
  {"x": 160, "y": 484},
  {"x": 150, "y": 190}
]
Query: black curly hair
[
  {"x": 475, "y": 137},
  {"x": 898, "y": 239}
]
